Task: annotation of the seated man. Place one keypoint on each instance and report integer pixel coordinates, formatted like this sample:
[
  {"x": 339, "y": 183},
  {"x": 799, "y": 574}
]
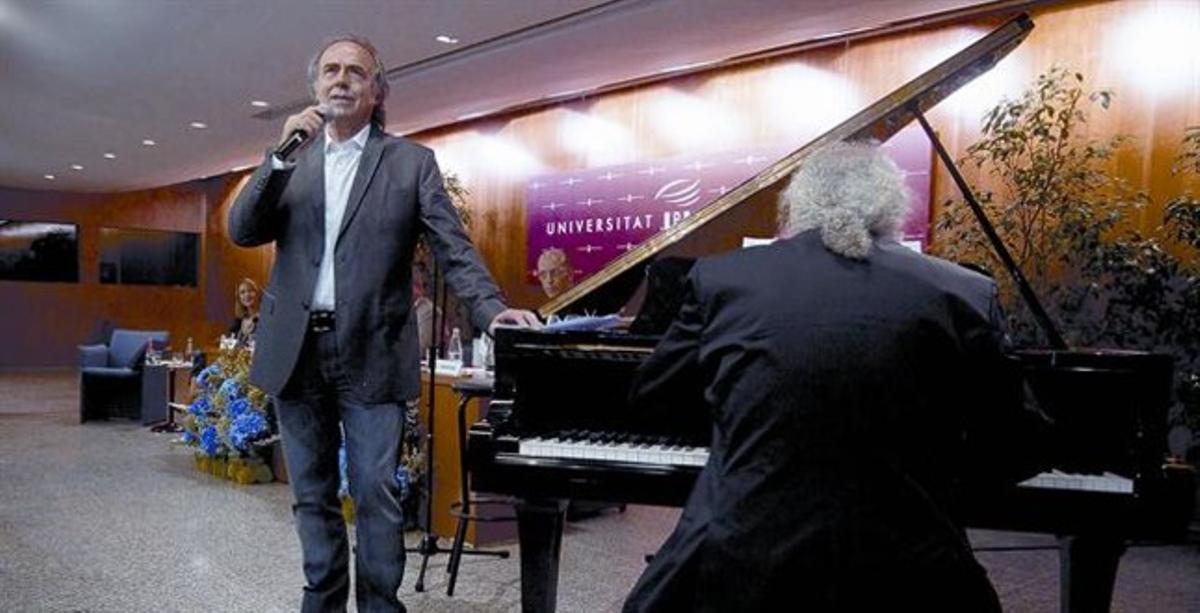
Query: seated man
[
  {"x": 555, "y": 271},
  {"x": 843, "y": 372}
]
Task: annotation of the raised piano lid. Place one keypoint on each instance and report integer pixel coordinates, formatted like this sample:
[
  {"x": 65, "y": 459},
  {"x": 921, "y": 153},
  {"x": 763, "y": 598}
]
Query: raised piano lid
[{"x": 612, "y": 285}]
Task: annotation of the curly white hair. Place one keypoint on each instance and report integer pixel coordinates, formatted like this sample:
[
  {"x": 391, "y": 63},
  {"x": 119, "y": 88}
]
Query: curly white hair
[{"x": 851, "y": 192}]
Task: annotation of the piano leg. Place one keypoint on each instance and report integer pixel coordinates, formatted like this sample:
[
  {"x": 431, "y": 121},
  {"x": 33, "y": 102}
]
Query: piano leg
[
  {"x": 540, "y": 528},
  {"x": 1087, "y": 572}
]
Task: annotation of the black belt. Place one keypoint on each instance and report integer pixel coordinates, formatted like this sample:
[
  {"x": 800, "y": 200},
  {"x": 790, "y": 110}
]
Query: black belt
[{"x": 320, "y": 321}]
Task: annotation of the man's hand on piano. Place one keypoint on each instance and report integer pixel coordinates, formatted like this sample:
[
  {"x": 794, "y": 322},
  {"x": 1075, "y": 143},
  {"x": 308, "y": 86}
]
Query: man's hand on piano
[{"x": 515, "y": 317}]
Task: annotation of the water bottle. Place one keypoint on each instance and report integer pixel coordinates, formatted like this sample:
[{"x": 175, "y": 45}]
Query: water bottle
[
  {"x": 454, "y": 350},
  {"x": 188, "y": 355}
]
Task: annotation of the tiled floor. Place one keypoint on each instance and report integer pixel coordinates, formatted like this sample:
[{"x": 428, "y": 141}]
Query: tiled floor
[{"x": 110, "y": 517}]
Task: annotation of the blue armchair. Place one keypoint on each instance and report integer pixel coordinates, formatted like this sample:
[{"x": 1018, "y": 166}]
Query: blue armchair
[{"x": 110, "y": 376}]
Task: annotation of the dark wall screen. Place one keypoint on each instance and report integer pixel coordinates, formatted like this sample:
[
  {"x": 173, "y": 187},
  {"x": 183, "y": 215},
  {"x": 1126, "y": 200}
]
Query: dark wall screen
[
  {"x": 38, "y": 251},
  {"x": 149, "y": 257}
]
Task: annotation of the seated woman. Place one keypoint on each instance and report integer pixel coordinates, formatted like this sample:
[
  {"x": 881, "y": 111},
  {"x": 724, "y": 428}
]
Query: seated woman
[{"x": 246, "y": 312}]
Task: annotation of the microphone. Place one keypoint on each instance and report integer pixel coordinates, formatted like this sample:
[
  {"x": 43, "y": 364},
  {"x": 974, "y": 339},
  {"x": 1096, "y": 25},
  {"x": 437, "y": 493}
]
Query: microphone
[{"x": 297, "y": 138}]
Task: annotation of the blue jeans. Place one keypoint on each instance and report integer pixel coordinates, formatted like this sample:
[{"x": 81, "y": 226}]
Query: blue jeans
[{"x": 313, "y": 412}]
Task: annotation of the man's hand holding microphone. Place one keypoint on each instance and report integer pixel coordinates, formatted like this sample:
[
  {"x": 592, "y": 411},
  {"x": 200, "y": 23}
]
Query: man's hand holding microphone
[{"x": 299, "y": 130}]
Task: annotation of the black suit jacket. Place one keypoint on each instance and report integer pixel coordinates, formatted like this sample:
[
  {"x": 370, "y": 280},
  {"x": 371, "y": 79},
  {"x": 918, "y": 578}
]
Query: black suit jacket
[
  {"x": 841, "y": 393},
  {"x": 397, "y": 195}
]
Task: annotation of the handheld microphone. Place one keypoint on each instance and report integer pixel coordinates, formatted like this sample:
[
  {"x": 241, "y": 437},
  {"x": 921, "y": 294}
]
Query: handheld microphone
[{"x": 296, "y": 139}]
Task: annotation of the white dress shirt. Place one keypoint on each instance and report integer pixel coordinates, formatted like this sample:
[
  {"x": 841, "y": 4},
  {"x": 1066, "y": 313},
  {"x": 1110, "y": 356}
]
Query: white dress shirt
[{"x": 341, "y": 164}]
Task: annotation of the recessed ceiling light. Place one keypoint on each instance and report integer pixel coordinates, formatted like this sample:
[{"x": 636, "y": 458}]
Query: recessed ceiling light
[
  {"x": 443, "y": 38},
  {"x": 199, "y": 125},
  {"x": 262, "y": 104},
  {"x": 469, "y": 116},
  {"x": 48, "y": 177},
  {"x": 76, "y": 166},
  {"x": 110, "y": 156},
  {"x": 149, "y": 143}
]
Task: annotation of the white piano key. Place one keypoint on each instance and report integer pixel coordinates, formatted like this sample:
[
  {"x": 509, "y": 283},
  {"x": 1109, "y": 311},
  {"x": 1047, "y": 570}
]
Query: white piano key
[
  {"x": 1059, "y": 480},
  {"x": 613, "y": 451}
]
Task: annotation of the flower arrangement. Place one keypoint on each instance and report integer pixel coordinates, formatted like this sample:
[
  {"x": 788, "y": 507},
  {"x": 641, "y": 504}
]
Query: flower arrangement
[
  {"x": 229, "y": 421},
  {"x": 230, "y": 425}
]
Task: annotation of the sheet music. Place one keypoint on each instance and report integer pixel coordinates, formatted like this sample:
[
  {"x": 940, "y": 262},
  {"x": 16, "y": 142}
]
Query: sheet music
[{"x": 585, "y": 322}]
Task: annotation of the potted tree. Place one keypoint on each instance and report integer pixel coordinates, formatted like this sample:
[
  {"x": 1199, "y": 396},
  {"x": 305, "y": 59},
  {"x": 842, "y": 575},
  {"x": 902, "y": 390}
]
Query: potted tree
[{"x": 1071, "y": 225}]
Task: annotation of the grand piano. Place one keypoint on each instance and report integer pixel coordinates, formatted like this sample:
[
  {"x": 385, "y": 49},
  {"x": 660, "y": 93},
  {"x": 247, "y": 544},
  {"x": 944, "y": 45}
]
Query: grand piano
[{"x": 1106, "y": 481}]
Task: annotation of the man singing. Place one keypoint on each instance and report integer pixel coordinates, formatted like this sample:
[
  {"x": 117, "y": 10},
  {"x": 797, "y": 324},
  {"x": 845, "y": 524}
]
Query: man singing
[{"x": 336, "y": 348}]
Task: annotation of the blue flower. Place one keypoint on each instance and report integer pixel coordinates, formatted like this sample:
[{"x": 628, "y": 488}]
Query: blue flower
[
  {"x": 245, "y": 428},
  {"x": 213, "y": 370},
  {"x": 188, "y": 437},
  {"x": 210, "y": 441},
  {"x": 199, "y": 407},
  {"x": 231, "y": 389},
  {"x": 237, "y": 408}
]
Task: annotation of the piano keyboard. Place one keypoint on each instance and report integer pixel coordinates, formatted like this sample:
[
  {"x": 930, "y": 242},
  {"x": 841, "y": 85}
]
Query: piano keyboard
[
  {"x": 1058, "y": 480},
  {"x": 641, "y": 449},
  {"x": 613, "y": 447}
]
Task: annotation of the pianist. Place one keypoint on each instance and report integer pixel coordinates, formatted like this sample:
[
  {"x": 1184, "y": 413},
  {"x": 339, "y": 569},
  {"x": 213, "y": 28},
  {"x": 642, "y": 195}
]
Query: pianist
[{"x": 843, "y": 372}]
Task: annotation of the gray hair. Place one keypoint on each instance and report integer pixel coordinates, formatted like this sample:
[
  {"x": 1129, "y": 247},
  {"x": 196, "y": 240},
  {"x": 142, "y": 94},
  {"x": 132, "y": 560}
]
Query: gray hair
[
  {"x": 379, "y": 79},
  {"x": 553, "y": 256},
  {"x": 851, "y": 192}
]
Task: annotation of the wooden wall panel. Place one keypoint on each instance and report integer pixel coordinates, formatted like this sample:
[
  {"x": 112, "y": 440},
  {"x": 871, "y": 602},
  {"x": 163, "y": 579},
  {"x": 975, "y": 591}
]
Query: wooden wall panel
[
  {"x": 43, "y": 322},
  {"x": 1154, "y": 100},
  {"x": 227, "y": 264},
  {"x": 794, "y": 98}
]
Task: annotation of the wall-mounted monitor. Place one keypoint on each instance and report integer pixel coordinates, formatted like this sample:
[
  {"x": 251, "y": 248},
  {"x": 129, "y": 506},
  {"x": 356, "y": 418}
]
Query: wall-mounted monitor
[
  {"x": 38, "y": 251},
  {"x": 149, "y": 257}
]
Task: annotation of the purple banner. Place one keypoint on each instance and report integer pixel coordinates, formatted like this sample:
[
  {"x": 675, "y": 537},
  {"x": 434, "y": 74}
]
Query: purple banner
[{"x": 594, "y": 215}]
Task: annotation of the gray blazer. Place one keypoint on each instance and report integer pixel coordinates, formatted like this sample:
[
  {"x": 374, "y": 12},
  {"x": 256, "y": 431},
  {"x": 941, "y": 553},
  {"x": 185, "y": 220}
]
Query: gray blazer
[{"x": 397, "y": 194}]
